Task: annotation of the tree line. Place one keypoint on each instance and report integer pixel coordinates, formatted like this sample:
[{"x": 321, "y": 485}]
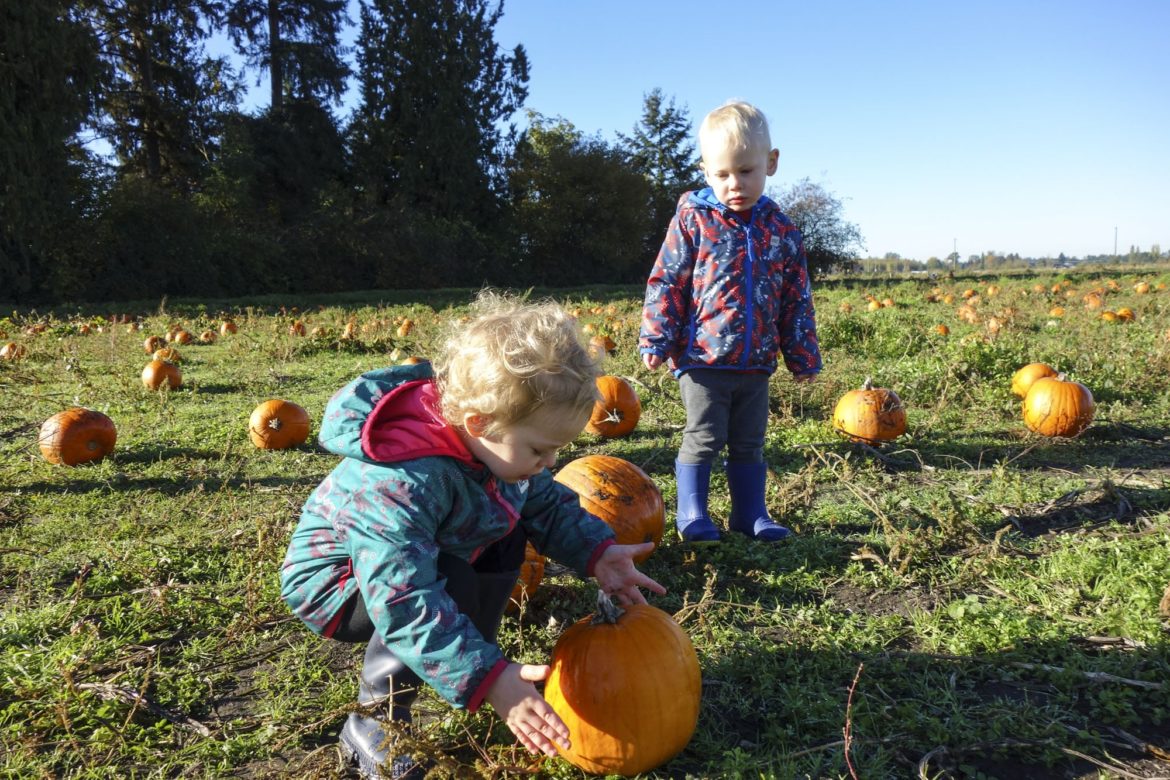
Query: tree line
[{"x": 128, "y": 168}]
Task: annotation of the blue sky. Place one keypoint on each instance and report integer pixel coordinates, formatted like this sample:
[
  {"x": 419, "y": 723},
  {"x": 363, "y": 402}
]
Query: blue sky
[{"x": 1034, "y": 127}]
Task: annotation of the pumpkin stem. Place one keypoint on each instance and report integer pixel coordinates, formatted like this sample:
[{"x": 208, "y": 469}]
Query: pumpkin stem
[
  {"x": 613, "y": 416},
  {"x": 275, "y": 423},
  {"x": 867, "y": 384},
  {"x": 607, "y": 611}
]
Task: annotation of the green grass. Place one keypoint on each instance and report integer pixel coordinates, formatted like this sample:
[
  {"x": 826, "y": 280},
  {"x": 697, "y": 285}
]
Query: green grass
[{"x": 970, "y": 600}]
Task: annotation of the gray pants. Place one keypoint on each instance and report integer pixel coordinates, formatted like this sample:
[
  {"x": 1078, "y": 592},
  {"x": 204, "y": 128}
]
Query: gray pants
[{"x": 723, "y": 408}]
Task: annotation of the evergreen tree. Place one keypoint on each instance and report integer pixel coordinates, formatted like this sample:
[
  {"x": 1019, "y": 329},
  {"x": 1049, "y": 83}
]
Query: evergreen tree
[
  {"x": 48, "y": 74},
  {"x": 435, "y": 89},
  {"x": 297, "y": 41},
  {"x": 162, "y": 109},
  {"x": 661, "y": 149}
]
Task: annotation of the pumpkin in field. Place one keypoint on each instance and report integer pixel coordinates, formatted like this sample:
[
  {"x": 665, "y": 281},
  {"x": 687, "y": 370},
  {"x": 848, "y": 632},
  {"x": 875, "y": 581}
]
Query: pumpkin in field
[
  {"x": 405, "y": 328},
  {"x": 601, "y": 345},
  {"x": 297, "y": 329},
  {"x": 207, "y": 337},
  {"x": 278, "y": 425},
  {"x": 1055, "y": 406},
  {"x": 616, "y": 413},
  {"x": 1141, "y": 288},
  {"x": 870, "y": 414},
  {"x": 12, "y": 351},
  {"x": 619, "y": 493},
  {"x": 942, "y": 330},
  {"x": 531, "y": 573},
  {"x": 627, "y": 684},
  {"x": 169, "y": 354},
  {"x": 77, "y": 435},
  {"x": 159, "y": 373},
  {"x": 227, "y": 328},
  {"x": 181, "y": 337},
  {"x": 153, "y": 344},
  {"x": 1024, "y": 377}
]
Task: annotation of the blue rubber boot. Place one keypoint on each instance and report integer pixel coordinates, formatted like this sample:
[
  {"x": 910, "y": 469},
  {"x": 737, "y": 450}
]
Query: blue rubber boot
[
  {"x": 692, "y": 521},
  {"x": 749, "y": 513}
]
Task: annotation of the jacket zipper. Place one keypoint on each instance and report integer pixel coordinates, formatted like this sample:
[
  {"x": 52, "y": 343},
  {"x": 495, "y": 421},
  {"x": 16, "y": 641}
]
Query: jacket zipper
[{"x": 749, "y": 292}]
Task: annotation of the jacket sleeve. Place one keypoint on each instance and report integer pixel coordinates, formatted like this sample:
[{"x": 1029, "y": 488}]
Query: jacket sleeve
[
  {"x": 394, "y": 552},
  {"x": 666, "y": 309},
  {"x": 559, "y": 528},
  {"x": 798, "y": 323}
]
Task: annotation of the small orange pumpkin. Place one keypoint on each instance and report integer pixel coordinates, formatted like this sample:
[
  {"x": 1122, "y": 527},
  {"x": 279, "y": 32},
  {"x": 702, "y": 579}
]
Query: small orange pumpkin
[
  {"x": 278, "y": 425},
  {"x": 870, "y": 414},
  {"x": 1025, "y": 376},
  {"x": 228, "y": 327},
  {"x": 626, "y": 682},
  {"x": 77, "y": 435},
  {"x": 181, "y": 337},
  {"x": 158, "y": 373},
  {"x": 405, "y": 328},
  {"x": 942, "y": 330},
  {"x": 153, "y": 343},
  {"x": 297, "y": 329},
  {"x": 12, "y": 351},
  {"x": 169, "y": 354},
  {"x": 531, "y": 573},
  {"x": 617, "y": 412},
  {"x": 619, "y": 493},
  {"x": 1055, "y": 406},
  {"x": 207, "y": 337}
]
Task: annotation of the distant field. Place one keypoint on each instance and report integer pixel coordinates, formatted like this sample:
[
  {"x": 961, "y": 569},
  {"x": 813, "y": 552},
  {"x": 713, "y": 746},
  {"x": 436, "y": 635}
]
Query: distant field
[{"x": 969, "y": 600}]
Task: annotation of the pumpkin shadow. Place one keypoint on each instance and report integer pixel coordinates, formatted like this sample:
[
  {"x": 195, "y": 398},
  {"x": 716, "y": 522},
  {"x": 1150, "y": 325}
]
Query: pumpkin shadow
[
  {"x": 214, "y": 388},
  {"x": 154, "y": 454},
  {"x": 165, "y": 485}
]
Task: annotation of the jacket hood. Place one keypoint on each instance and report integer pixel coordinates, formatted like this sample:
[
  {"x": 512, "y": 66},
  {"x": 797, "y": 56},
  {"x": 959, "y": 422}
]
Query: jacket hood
[
  {"x": 389, "y": 415},
  {"x": 705, "y": 198}
]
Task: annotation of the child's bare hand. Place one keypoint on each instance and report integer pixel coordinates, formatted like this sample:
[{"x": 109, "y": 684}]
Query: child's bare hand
[
  {"x": 615, "y": 573},
  {"x": 651, "y": 362},
  {"x": 514, "y": 697}
]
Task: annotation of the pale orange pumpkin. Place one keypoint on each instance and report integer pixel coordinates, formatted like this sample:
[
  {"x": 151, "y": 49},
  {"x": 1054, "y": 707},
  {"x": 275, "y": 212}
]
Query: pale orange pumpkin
[
  {"x": 619, "y": 493},
  {"x": 1055, "y": 406},
  {"x": 278, "y": 425},
  {"x": 159, "y": 373},
  {"x": 1023, "y": 378},
  {"x": 77, "y": 435},
  {"x": 531, "y": 573},
  {"x": 626, "y": 682},
  {"x": 870, "y": 414},
  {"x": 12, "y": 351},
  {"x": 617, "y": 412}
]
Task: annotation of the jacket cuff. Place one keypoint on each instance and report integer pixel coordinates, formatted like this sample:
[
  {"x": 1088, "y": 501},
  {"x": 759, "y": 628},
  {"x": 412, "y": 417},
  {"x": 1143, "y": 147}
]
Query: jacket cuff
[
  {"x": 481, "y": 692},
  {"x": 597, "y": 551}
]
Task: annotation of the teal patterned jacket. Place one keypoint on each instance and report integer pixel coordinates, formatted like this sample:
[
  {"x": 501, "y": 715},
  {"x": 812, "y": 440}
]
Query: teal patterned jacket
[{"x": 406, "y": 490}]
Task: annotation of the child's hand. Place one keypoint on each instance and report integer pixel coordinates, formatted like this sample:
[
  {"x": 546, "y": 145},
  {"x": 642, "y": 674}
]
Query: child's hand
[
  {"x": 515, "y": 699},
  {"x": 651, "y": 362},
  {"x": 615, "y": 573}
]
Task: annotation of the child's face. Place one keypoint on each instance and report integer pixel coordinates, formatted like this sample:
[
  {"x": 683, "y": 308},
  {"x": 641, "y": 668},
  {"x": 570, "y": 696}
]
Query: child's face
[
  {"x": 737, "y": 175},
  {"x": 527, "y": 448}
]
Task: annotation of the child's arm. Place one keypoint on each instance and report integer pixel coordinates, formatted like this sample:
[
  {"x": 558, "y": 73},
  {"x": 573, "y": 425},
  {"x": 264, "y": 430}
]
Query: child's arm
[
  {"x": 515, "y": 699},
  {"x": 798, "y": 325},
  {"x": 666, "y": 309}
]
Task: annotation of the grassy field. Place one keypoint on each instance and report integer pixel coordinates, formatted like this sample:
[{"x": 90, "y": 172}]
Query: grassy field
[{"x": 970, "y": 600}]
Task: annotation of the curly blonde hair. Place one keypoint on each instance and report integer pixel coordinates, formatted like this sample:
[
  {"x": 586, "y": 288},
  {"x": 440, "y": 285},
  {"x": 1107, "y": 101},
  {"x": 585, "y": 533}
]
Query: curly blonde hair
[
  {"x": 737, "y": 125},
  {"x": 513, "y": 359}
]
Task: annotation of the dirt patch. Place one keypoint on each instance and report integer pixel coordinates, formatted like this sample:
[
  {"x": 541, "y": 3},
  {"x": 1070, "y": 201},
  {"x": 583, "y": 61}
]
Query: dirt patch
[{"x": 905, "y": 603}]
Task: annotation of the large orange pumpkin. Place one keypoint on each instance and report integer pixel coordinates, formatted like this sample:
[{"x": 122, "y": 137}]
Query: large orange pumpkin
[
  {"x": 870, "y": 414},
  {"x": 531, "y": 573},
  {"x": 619, "y": 493},
  {"x": 617, "y": 411},
  {"x": 1025, "y": 376},
  {"x": 1057, "y": 407},
  {"x": 278, "y": 425},
  {"x": 162, "y": 372},
  {"x": 627, "y": 684},
  {"x": 77, "y": 435}
]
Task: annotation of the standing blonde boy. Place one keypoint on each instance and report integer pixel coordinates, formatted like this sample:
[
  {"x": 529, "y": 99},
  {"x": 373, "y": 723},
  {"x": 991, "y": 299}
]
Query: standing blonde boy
[
  {"x": 414, "y": 541},
  {"x": 729, "y": 290}
]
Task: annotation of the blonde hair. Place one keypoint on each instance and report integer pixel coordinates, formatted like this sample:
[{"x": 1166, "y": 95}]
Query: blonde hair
[
  {"x": 513, "y": 359},
  {"x": 736, "y": 125}
]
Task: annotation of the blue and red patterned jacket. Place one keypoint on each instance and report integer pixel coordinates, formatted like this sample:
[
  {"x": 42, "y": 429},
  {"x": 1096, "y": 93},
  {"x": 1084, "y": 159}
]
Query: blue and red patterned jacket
[
  {"x": 408, "y": 489},
  {"x": 728, "y": 294}
]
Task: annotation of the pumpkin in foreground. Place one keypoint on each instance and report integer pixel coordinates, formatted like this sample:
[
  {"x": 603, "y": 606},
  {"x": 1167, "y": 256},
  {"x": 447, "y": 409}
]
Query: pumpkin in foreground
[
  {"x": 278, "y": 425},
  {"x": 870, "y": 414},
  {"x": 1055, "y": 406},
  {"x": 626, "y": 682},
  {"x": 617, "y": 412},
  {"x": 76, "y": 436},
  {"x": 619, "y": 493}
]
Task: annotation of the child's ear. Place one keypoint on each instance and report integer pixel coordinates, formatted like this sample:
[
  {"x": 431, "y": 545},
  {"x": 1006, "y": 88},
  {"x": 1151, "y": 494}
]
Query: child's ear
[
  {"x": 773, "y": 159},
  {"x": 476, "y": 424}
]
